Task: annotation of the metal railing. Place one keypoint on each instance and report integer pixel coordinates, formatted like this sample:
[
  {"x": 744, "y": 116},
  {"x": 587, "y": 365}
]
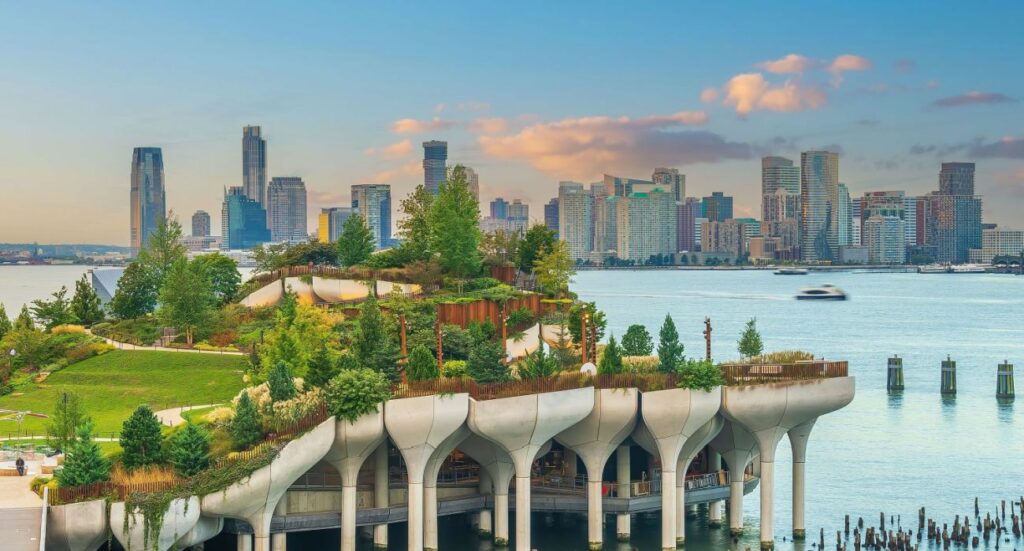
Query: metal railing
[{"x": 747, "y": 374}]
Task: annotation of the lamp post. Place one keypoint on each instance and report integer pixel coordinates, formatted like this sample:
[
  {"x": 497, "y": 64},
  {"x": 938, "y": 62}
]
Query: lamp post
[{"x": 583, "y": 336}]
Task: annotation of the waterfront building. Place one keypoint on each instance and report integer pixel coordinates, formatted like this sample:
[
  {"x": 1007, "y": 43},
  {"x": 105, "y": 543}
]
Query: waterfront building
[
  {"x": 910, "y": 219},
  {"x": 725, "y": 237},
  {"x": 717, "y": 207},
  {"x": 243, "y": 221},
  {"x": 998, "y": 242},
  {"x": 575, "y": 219},
  {"x": 499, "y": 208},
  {"x": 254, "y": 165},
  {"x": 518, "y": 216},
  {"x": 551, "y": 215},
  {"x": 763, "y": 249},
  {"x": 780, "y": 205},
  {"x": 885, "y": 239},
  {"x": 473, "y": 181},
  {"x": 953, "y": 214},
  {"x": 687, "y": 227},
  {"x": 788, "y": 232},
  {"x": 435, "y": 159},
  {"x": 853, "y": 254},
  {"x": 148, "y": 198},
  {"x": 286, "y": 205},
  {"x": 606, "y": 224},
  {"x": 856, "y": 225},
  {"x": 698, "y": 232},
  {"x": 843, "y": 216},
  {"x": 646, "y": 225},
  {"x": 373, "y": 203},
  {"x": 779, "y": 173},
  {"x": 819, "y": 193},
  {"x": 671, "y": 180},
  {"x": 331, "y": 222},
  {"x": 200, "y": 224}
]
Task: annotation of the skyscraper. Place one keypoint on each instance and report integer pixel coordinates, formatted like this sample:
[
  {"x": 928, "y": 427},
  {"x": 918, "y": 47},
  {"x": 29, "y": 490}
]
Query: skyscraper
[
  {"x": 499, "y": 209},
  {"x": 953, "y": 214},
  {"x": 201, "y": 224},
  {"x": 687, "y": 214},
  {"x": 254, "y": 165},
  {"x": 819, "y": 191},
  {"x": 373, "y": 203},
  {"x": 243, "y": 221},
  {"x": 148, "y": 198},
  {"x": 717, "y": 207},
  {"x": 575, "y": 219},
  {"x": 286, "y": 209},
  {"x": 646, "y": 225},
  {"x": 672, "y": 181},
  {"x": 779, "y": 172},
  {"x": 473, "y": 179},
  {"x": 885, "y": 238},
  {"x": 331, "y": 222},
  {"x": 843, "y": 216},
  {"x": 435, "y": 158},
  {"x": 518, "y": 216},
  {"x": 956, "y": 179},
  {"x": 621, "y": 187},
  {"x": 551, "y": 215}
]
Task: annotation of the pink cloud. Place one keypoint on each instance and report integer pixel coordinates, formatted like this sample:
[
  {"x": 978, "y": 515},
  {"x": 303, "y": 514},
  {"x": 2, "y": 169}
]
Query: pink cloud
[
  {"x": 489, "y": 125},
  {"x": 975, "y": 97},
  {"x": 414, "y": 126},
  {"x": 394, "y": 151},
  {"x": 413, "y": 168},
  {"x": 790, "y": 64},
  {"x": 846, "y": 63},
  {"x": 751, "y": 92},
  {"x": 709, "y": 94}
]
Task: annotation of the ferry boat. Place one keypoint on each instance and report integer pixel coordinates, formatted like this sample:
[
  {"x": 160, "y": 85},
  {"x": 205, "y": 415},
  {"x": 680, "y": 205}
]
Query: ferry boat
[
  {"x": 951, "y": 269},
  {"x": 791, "y": 271},
  {"x": 825, "y": 292}
]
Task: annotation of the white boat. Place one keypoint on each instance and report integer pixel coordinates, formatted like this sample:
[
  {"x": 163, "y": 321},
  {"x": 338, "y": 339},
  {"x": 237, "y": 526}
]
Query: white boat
[
  {"x": 934, "y": 269},
  {"x": 951, "y": 269},
  {"x": 968, "y": 269},
  {"x": 825, "y": 292},
  {"x": 791, "y": 271}
]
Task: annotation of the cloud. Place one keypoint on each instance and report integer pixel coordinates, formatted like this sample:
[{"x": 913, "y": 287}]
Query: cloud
[
  {"x": 489, "y": 125},
  {"x": 394, "y": 151},
  {"x": 328, "y": 198},
  {"x": 709, "y": 94},
  {"x": 751, "y": 92},
  {"x": 973, "y": 98},
  {"x": 414, "y": 126},
  {"x": 904, "y": 66},
  {"x": 413, "y": 168},
  {"x": 581, "y": 148},
  {"x": 846, "y": 63},
  {"x": 1008, "y": 147},
  {"x": 790, "y": 64}
]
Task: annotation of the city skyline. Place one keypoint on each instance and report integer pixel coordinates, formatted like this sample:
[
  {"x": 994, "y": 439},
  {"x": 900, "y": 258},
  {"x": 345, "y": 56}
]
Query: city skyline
[{"x": 892, "y": 112}]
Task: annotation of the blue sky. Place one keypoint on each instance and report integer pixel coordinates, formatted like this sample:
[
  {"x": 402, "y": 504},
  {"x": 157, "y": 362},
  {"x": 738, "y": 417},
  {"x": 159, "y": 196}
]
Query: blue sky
[{"x": 527, "y": 93}]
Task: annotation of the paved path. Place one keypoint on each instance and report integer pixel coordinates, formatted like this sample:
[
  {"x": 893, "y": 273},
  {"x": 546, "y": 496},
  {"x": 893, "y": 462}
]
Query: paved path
[
  {"x": 126, "y": 346},
  {"x": 172, "y": 417}
]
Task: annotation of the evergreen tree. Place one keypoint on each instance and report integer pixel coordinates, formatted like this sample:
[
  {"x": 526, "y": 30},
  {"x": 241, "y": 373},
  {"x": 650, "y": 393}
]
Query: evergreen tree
[
  {"x": 637, "y": 341},
  {"x": 346, "y": 362},
  {"x": 485, "y": 363},
  {"x": 85, "y": 305},
  {"x": 24, "y": 320},
  {"x": 597, "y": 320},
  {"x": 140, "y": 439},
  {"x": 611, "y": 360},
  {"x": 83, "y": 462},
  {"x": 190, "y": 450},
  {"x": 538, "y": 241},
  {"x": 670, "y": 350},
  {"x": 554, "y": 269},
  {"x": 356, "y": 242},
  {"x": 538, "y": 364},
  {"x": 67, "y": 417},
  {"x": 374, "y": 346},
  {"x": 136, "y": 293},
  {"x": 750, "y": 344},
  {"x": 422, "y": 365},
  {"x": 5, "y": 323},
  {"x": 245, "y": 428},
  {"x": 282, "y": 387},
  {"x": 455, "y": 225},
  {"x": 187, "y": 300},
  {"x": 54, "y": 312},
  {"x": 414, "y": 227},
  {"x": 322, "y": 368}
]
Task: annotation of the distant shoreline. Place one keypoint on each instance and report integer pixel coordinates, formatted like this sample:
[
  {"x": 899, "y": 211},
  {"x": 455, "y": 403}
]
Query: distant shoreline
[{"x": 844, "y": 268}]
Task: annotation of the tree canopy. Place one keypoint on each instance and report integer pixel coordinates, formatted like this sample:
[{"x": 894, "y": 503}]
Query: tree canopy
[
  {"x": 555, "y": 268},
  {"x": 414, "y": 227},
  {"x": 187, "y": 298},
  {"x": 222, "y": 271},
  {"x": 455, "y": 229},
  {"x": 637, "y": 341},
  {"x": 670, "y": 350},
  {"x": 611, "y": 359},
  {"x": 57, "y": 311},
  {"x": 356, "y": 243},
  {"x": 750, "y": 344},
  {"x": 539, "y": 239},
  {"x": 86, "y": 304},
  {"x": 136, "y": 293}
]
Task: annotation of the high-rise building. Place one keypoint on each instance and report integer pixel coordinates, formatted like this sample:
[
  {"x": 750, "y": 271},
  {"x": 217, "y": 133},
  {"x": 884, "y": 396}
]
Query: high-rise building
[
  {"x": 148, "y": 197},
  {"x": 717, "y": 207},
  {"x": 843, "y": 216},
  {"x": 953, "y": 214},
  {"x": 910, "y": 219},
  {"x": 201, "y": 224},
  {"x": 672, "y": 181},
  {"x": 373, "y": 203},
  {"x": 575, "y": 219},
  {"x": 473, "y": 180},
  {"x": 885, "y": 238},
  {"x": 621, "y": 187},
  {"x": 499, "y": 209},
  {"x": 243, "y": 221},
  {"x": 646, "y": 225},
  {"x": 551, "y": 215},
  {"x": 882, "y": 203},
  {"x": 819, "y": 194},
  {"x": 779, "y": 173},
  {"x": 956, "y": 179},
  {"x": 725, "y": 237},
  {"x": 286, "y": 209},
  {"x": 687, "y": 230},
  {"x": 780, "y": 205},
  {"x": 435, "y": 159},
  {"x": 331, "y": 222},
  {"x": 518, "y": 216},
  {"x": 606, "y": 223},
  {"x": 254, "y": 165},
  {"x": 998, "y": 242}
]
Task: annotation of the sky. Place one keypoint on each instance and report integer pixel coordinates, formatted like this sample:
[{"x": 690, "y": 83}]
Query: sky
[{"x": 527, "y": 93}]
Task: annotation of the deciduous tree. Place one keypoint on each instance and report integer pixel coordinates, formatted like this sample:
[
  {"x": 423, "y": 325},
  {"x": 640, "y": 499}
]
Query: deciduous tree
[
  {"x": 414, "y": 227},
  {"x": 136, "y": 293},
  {"x": 222, "y": 271},
  {"x": 455, "y": 230},
  {"x": 187, "y": 299},
  {"x": 538, "y": 240},
  {"x": 86, "y": 305},
  {"x": 637, "y": 341},
  {"x": 57, "y": 311},
  {"x": 554, "y": 269}
]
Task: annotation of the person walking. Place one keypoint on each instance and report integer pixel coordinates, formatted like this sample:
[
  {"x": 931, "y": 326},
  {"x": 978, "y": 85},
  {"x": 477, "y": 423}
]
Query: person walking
[{"x": 20, "y": 464}]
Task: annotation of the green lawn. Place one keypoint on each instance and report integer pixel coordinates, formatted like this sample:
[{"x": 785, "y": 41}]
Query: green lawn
[{"x": 112, "y": 385}]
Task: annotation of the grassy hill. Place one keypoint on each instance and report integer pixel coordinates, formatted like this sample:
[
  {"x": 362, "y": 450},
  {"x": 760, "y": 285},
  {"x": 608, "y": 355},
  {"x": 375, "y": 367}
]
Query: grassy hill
[{"x": 112, "y": 385}]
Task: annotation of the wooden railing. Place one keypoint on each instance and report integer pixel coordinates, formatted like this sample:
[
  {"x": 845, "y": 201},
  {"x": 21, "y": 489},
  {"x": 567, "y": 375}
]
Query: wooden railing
[{"x": 755, "y": 374}]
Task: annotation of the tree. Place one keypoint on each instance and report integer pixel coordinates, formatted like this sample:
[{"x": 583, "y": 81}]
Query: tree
[
  {"x": 637, "y": 341},
  {"x": 245, "y": 428},
  {"x": 374, "y": 346},
  {"x": 24, "y": 320},
  {"x": 86, "y": 305},
  {"x": 422, "y": 365},
  {"x": 136, "y": 293},
  {"x": 222, "y": 271},
  {"x": 596, "y": 319},
  {"x": 5, "y": 322},
  {"x": 455, "y": 229},
  {"x": 270, "y": 257},
  {"x": 356, "y": 392},
  {"x": 538, "y": 364},
  {"x": 356, "y": 242},
  {"x": 563, "y": 352},
  {"x": 65, "y": 420},
  {"x": 670, "y": 350},
  {"x": 163, "y": 248},
  {"x": 83, "y": 462},
  {"x": 414, "y": 227},
  {"x": 539, "y": 239},
  {"x": 190, "y": 450},
  {"x": 699, "y": 375},
  {"x": 485, "y": 363},
  {"x": 611, "y": 360},
  {"x": 321, "y": 369},
  {"x": 750, "y": 344},
  {"x": 140, "y": 439},
  {"x": 554, "y": 268},
  {"x": 187, "y": 299},
  {"x": 500, "y": 246},
  {"x": 282, "y": 387},
  {"x": 54, "y": 312}
]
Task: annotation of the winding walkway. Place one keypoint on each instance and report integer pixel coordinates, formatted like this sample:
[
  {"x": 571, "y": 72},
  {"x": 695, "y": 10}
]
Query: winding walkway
[
  {"x": 172, "y": 417},
  {"x": 127, "y": 346}
]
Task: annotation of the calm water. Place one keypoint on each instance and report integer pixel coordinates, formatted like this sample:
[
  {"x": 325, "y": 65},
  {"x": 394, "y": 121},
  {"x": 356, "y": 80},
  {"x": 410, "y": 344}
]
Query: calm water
[{"x": 878, "y": 454}]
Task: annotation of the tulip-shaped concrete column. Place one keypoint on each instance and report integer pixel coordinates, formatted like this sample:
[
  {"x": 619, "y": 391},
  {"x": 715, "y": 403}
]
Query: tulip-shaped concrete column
[
  {"x": 129, "y": 527},
  {"x": 798, "y": 437},
  {"x": 500, "y": 469},
  {"x": 737, "y": 447},
  {"x": 521, "y": 426},
  {"x": 442, "y": 452},
  {"x": 381, "y": 492},
  {"x": 769, "y": 412},
  {"x": 715, "y": 507},
  {"x": 672, "y": 417},
  {"x": 205, "y": 529},
  {"x": 690, "y": 450},
  {"x": 255, "y": 497},
  {"x": 418, "y": 426},
  {"x": 622, "y": 489},
  {"x": 593, "y": 440},
  {"x": 354, "y": 442}
]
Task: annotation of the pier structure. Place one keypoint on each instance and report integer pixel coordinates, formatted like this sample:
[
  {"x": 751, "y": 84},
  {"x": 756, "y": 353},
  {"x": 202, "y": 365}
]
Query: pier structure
[
  {"x": 450, "y": 453},
  {"x": 948, "y": 383},
  {"x": 894, "y": 379},
  {"x": 1004, "y": 381}
]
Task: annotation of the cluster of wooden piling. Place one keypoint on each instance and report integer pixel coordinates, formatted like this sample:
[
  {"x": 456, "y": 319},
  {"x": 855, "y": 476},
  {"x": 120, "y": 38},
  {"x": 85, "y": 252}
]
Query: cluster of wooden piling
[{"x": 947, "y": 385}]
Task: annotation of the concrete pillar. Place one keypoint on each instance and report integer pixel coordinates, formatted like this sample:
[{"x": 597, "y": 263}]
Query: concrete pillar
[
  {"x": 569, "y": 460},
  {"x": 279, "y": 541},
  {"x": 430, "y": 517},
  {"x": 767, "y": 507},
  {"x": 595, "y": 513},
  {"x": 244, "y": 542},
  {"x": 715, "y": 508},
  {"x": 798, "y": 437},
  {"x": 622, "y": 490},
  {"x": 501, "y": 517},
  {"x": 668, "y": 508},
  {"x": 523, "y": 512},
  {"x": 735, "y": 503},
  {"x": 348, "y": 518},
  {"x": 441, "y": 453},
  {"x": 381, "y": 493},
  {"x": 485, "y": 528}
]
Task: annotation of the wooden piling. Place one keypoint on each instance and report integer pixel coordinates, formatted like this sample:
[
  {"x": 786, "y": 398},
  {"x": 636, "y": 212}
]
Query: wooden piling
[
  {"x": 948, "y": 386},
  {"x": 1004, "y": 382},
  {"x": 894, "y": 381}
]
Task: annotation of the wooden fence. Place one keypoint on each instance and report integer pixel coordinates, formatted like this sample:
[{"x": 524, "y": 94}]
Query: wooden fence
[
  {"x": 754, "y": 374},
  {"x": 464, "y": 313}
]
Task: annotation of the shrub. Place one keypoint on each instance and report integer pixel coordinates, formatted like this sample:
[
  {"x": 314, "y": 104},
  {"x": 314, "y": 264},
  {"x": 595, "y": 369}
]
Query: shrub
[
  {"x": 223, "y": 339},
  {"x": 219, "y": 417},
  {"x": 519, "y": 318},
  {"x": 245, "y": 427},
  {"x": 68, "y": 329},
  {"x": 282, "y": 387},
  {"x": 454, "y": 369},
  {"x": 641, "y": 364},
  {"x": 537, "y": 365},
  {"x": 356, "y": 392},
  {"x": 611, "y": 359},
  {"x": 292, "y": 411},
  {"x": 780, "y": 357},
  {"x": 422, "y": 365},
  {"x": 190, "y": 450},
  {"x": 140, "y": 439},
  {"x": 699, "y": 375},
  {"x": 637, "y": 341},
  {"x": 83, "y": 463},
  {"x": 485, "y": 363}
]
